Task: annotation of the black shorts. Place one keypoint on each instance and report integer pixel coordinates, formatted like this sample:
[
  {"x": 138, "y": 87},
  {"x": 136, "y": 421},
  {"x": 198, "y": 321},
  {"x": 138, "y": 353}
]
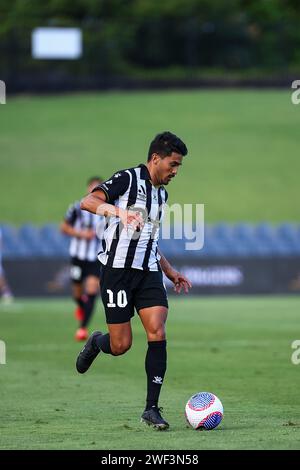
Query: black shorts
[
  {"x": 80, "y": 269},
  {"x": 122, "y": 290}
]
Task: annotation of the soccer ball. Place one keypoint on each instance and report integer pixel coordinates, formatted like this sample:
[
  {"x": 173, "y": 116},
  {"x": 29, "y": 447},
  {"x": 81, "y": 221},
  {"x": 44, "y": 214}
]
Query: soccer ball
[{"x": 204, "y": 411}]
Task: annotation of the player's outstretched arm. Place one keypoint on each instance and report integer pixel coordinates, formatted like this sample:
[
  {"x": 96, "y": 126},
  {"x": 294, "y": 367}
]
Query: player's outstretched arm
[
  {"x": 179, "y": 280},
  {"x": 68, "y": 229},
  {"x": 95, "y": 202}
]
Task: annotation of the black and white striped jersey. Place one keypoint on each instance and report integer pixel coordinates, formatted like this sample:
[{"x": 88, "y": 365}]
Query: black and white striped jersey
[
  {"x": 85, "y": 250},
  {"x": 123, "y": 247}
]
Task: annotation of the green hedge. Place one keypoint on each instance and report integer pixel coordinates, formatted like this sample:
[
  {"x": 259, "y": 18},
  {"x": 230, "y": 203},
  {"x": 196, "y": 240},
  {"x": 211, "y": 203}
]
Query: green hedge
[{"x": 123, "y": 36}]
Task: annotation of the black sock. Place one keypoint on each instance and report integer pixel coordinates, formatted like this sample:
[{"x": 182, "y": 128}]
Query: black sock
[
  {"x": 79, "y": 301},
  {"x": 103, "y": 342},
  {"x": 88, "y": 305},
  {"x": 156, "y": 366}
]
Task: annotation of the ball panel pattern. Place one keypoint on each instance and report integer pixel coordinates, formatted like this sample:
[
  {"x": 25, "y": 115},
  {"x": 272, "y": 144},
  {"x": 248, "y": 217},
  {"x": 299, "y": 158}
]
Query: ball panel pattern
[
  {"x": 211, "y": 421},
  {"x": 201, "y": 401}
]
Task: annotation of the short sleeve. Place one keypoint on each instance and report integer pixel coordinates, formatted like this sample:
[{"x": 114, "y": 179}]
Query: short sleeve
[
  {"x": 115, "y": 187},
  {"x": 71, "y": 214}
]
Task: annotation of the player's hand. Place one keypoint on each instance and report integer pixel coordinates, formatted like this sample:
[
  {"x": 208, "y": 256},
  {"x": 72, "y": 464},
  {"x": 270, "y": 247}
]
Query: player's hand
[
  {"x": 180, "y": 282},
  {"x": 132, "y": 219},
  {"x": 87, "y": 234}
]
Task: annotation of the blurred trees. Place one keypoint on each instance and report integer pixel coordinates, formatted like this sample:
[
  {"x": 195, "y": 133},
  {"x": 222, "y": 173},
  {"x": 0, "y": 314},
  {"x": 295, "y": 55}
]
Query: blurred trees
[{"x": 128, "y": 36}]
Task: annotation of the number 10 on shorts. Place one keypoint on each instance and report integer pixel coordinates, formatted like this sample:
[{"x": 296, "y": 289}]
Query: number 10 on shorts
[{"x": 121, "y": 299}]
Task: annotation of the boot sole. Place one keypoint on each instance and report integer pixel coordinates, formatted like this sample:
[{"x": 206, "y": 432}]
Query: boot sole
[{"x": 159, "y": 427}]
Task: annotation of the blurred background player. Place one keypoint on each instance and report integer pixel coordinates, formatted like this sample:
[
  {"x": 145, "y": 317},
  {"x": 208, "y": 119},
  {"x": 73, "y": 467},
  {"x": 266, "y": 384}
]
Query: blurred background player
[
  {"x": 86, "y": 230},
  {"x": 5, "y": 292}
]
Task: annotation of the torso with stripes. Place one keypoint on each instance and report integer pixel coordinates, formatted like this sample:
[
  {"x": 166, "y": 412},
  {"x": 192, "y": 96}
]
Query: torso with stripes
[
  {"x": 123, "y": 247},
  {"x": 85, "y": 250}
]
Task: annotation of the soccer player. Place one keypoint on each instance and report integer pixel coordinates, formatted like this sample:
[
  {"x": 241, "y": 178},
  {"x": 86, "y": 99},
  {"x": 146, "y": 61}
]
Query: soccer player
[
  {"x": 86, "y": 230},
  {"x": 132, "y": 265}
]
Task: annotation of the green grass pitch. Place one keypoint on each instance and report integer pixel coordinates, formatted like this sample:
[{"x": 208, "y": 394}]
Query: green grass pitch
[
  {"x": 242, "y": 161},
  {"x": 238, "y": 348}
]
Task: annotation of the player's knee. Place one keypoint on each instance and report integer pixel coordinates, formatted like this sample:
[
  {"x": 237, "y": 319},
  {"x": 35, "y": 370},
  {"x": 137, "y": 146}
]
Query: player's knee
[
  {"x": 92, "y": 289},
  {"x": 92, "y": 293},
  {"x": 157, "y": 334},
  {"x": 120, "y": 347},
  {"x": 92, "y": 286}
]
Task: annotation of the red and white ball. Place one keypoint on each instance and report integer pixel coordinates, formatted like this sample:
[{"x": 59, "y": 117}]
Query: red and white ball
[{"x": 204, "y": 410}]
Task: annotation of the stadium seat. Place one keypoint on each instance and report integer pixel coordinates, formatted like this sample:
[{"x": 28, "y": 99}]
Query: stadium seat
[
  {"x": 287, "y": 232},
  {"x": 222, "y": 232},
  {"x": 58, "y": 242},
  {"x": 12, "y": 246},
  {"x": 242, "y": 249},
  {"x": 264, "y": 248},
  {"x": 284, "y": 249},
  {"x": 220, "y": 249},
  {"x": 29, "y": 237},
  {"x": 208, "y": 249},
  {"x": 243, "y": 232},
  {"x": 220, "y": 240},
  {"x": 264, "y": 229},
  {"x": 7, "y": 232}
]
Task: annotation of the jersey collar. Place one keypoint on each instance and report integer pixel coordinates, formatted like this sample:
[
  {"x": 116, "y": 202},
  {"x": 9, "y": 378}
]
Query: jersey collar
[{"x": 145, "y": 175}]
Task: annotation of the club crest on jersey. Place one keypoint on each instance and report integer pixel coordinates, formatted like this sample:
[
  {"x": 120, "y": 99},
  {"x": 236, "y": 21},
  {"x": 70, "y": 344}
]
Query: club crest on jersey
[{"x": 141, "y": 193}]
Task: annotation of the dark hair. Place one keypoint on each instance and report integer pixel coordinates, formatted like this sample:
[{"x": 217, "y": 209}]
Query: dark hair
[
  {"x": 94, "y": 178},
  {"x": 165, "y": 143}
]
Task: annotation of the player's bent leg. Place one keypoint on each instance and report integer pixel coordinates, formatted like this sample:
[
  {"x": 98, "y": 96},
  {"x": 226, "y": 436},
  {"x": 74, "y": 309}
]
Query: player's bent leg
[
  {"x": 91, "y": 291},
  {"x": 116, "y": 342},
  {"x": 92, "y": 285},
  {"x": 120, "y": 335},
  {"x": 77, "y": 291},
  {"x": 154, "y": 319},
  {"x": 82, "y": 332}
]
